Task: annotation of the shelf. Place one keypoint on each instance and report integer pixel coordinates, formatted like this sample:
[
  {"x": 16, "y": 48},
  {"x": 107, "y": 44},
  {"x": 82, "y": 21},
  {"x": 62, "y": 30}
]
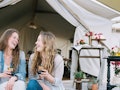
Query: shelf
[
  {"x": 92, "y": 47},
  {"x": 89, "y": 56}
]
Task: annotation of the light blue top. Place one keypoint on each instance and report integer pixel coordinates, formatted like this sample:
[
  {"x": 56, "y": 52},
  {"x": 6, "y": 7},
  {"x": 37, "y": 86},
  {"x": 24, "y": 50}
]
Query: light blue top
[
  {"x": 5, "y": 69},
  {"x": 21, "y": 70}
]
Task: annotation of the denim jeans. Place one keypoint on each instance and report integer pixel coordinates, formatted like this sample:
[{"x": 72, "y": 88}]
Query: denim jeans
[{"x": 33, "y": 85}]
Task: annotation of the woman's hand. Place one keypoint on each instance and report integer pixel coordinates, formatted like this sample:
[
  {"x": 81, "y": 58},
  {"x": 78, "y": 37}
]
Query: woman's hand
[
  {"x": 11, "y": 83},
  {"x": 44, "y": 74},
  {"x": 5, "y": 74}
]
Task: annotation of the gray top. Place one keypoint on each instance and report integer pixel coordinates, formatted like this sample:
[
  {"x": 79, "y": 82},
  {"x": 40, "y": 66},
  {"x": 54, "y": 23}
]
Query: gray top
[{"x": 57, "y": 72}]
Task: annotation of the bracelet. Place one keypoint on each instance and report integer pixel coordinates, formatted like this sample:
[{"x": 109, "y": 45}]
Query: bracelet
[{"x": 16, "y": 77}]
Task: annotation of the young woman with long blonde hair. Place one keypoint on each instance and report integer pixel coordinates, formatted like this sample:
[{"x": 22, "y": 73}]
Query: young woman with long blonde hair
[{"x": 46, "y": 67}]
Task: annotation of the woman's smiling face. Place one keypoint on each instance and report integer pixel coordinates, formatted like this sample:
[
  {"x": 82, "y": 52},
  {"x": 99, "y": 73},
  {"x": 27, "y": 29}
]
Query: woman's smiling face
[
  {"x": 13, "y": 40},
  {"x": 39, "y": 44}
]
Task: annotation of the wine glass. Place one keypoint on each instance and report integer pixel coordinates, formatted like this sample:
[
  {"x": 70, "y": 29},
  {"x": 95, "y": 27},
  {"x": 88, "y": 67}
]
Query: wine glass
[
  {"x": 11, "y": 70},
  {"x": 40, "y": 69}
]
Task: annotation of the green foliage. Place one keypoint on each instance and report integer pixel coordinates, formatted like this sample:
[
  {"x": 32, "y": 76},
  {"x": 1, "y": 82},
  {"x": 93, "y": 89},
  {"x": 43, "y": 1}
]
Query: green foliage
[
  {"x": 117, "y": 71},
  {"x": 79, "y": 75},
  {"x": 112, "y": 53},
  {"x": 94, "y": 80}
]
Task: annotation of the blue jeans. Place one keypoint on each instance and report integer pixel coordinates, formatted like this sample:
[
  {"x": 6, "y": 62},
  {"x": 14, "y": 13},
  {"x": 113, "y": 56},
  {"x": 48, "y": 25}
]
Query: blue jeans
[{"x": 33, "y": 85}]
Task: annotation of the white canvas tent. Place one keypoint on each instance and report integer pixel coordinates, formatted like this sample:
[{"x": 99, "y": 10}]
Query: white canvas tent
[
  {"x": 21, "y": 14},
  {"x": 84, "y": 15}
]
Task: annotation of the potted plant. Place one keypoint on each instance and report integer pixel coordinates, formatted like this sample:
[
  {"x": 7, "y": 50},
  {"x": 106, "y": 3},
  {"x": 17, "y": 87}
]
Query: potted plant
[
  {"x": 79, "y": 75},
  {"x": 94, "y": 84}
]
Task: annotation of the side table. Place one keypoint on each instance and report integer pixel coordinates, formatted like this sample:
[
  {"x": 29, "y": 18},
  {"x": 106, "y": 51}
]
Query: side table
[
  {"x": 89, "y": 48},
  {"x": 109, "y": 59}
]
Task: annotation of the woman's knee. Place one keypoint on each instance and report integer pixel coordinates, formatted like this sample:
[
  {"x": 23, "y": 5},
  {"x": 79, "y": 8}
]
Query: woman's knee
[
  {"x": 33, "y": 85},
  {"x": 32, "y": 82},
  {"x": 19, "y": 85},
  {"x": 3, "y": 85}
]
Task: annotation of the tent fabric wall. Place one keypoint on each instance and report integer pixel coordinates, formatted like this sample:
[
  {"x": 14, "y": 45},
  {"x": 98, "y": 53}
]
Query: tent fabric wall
[
  {"x": 28, "y": 36},
  {"x": 64, "y": 45},
  {"x": 98, "y": 8},
  {"x": 56, "y": 5},
  {"x": 90, "y": 21},
  {"x": 8, "y": 2}
]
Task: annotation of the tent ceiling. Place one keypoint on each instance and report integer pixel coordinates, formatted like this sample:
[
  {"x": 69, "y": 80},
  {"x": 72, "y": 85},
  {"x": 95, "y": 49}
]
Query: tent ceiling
[
  {"x": 10, "y": 14},
  {"x": 42, "y": 14},
  {"x": 49, "y": 19},
  {"x": 42, "y": 6}
]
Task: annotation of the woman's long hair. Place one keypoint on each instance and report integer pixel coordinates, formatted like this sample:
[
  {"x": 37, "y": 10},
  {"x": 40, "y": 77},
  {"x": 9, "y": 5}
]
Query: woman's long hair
[
  {"x": 47, "y": 55},
  {"x": 3, "y": 45}
]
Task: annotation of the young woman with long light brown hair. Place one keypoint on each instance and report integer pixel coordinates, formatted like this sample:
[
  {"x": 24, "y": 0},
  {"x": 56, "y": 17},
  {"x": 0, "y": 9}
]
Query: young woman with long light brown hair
[
  {"x": 46, "y": 67},
  {"x": 12, "y": 62}
]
